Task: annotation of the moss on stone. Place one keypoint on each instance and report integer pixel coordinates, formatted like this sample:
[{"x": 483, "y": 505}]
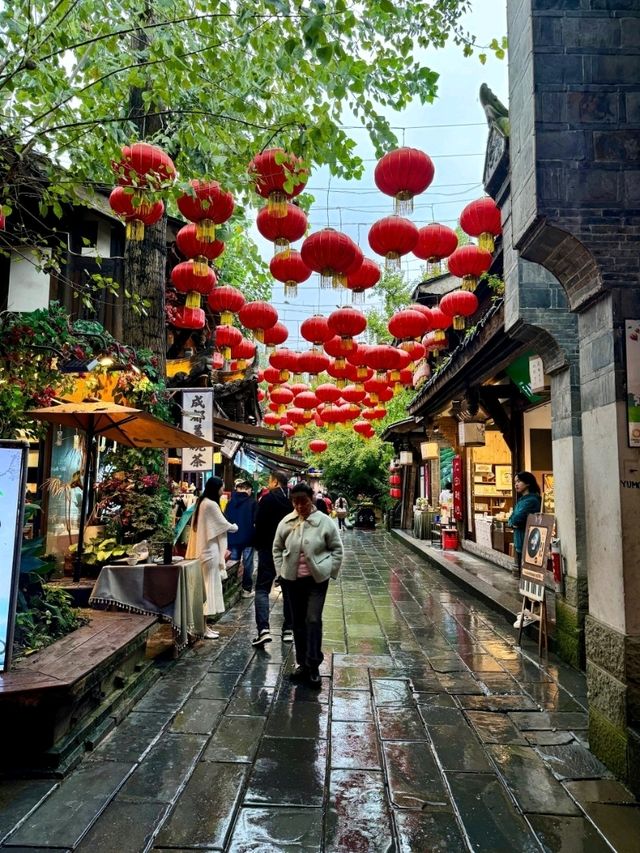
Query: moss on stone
[
  {"x": 608, "y": 743},
  {"x": 569, "y": 635}
]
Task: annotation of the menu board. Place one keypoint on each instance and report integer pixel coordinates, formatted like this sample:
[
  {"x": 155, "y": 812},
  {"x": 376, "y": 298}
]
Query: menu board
[{"x": 13, "y": 483}]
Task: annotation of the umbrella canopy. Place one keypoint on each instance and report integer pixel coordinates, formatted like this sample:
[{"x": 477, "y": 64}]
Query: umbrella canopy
[{"x": 122, "y": 424}]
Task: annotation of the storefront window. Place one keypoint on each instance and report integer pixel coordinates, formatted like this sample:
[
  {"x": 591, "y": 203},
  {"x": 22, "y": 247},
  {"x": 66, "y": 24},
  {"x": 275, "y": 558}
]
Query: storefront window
[{"x": 65, "y": 492}]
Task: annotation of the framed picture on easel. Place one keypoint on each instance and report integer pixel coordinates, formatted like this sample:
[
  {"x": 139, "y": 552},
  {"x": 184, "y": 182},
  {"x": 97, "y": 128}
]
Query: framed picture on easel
[{"x": 535, "y": 552}]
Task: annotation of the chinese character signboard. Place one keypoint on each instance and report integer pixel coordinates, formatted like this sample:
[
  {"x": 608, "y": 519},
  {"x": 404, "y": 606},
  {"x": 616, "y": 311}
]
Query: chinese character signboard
[
  {"x": 632, "y": 336},
  {"x": 197, "y": 418},
  {"x": 456, "y": 483},
  {"x": 13, "y": 475}
]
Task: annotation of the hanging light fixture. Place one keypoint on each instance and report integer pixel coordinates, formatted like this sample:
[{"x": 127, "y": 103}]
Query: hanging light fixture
[
  {"x": 429, "y": 450},
  {"x": 76, "y": 441},
  {"x": 59, "y": 437},
  {"x": 406, "y": 457}
]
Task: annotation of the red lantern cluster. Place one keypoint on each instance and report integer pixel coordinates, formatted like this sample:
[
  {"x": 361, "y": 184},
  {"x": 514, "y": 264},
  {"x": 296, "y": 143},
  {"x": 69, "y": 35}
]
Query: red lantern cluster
[
  {"x": 469, "y": 263},
  {"x": 393, "y": 237},
  {"x": 332, "y": 254},
  {"x": 289, "y": 268},
  {"x": 142, "y": 170}
]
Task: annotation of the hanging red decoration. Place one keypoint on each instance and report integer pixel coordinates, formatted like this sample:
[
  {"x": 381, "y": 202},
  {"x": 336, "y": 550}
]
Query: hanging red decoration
[
  {"x": 367, "y": 276},
  {"x": 284, "y": 360},
  {"x": 318, "y": 445},
  {"x": 393, "y": 237},
  {"x": 3, "y": 221},
  {"x": 394, "y": 479},
  {"x": 226, "y": 301},
  {"x": 135, "y": 211},
  {"x": 414, "y": 350},
  {"x": 275, "y": 335},
  {"x": 288, "y": 430},
  {"x": 375, "y": 386},
  {"x": 382, "y": 357},
  {"x": 278, "y": 176},
  {"x": 347, "y": 322},
  {"x": 282, "y": 230},
  {"x": 405, "y": 377},
  {"x": 313, "y": 362},
  {"x": 272, "y": 376},
  {"x": 435, "y": 341},
  {"x": 439, "y": 322},
  {"x": 353, "y": 394},
  {"x": 435, "y": 242},
  {"x": 307, "y": 401},
  {"x": 459, "y": 304},
  {"x": 315, "y": 329},
  {"x": 188, "y": 318},
  {"x": 469, "y": 263},
  {"x": 244, "y": 351},
  {"x": 207, "y": 205},
  {"x": 258, "y": 316},
  {"x": 281, "y": 396},
  {"x": 358, "y": 358},
  {"x": 408, "y": 324},
  {"x": 271, "y": 419},
  {"x": 185, "y": 280},
  {"x": 481, "y": 218},
  {"x": 404, "y": 174},
  {"x": 338, "y": 372},
  {"x": 290, "y": 269},
  {"x": 362, "y": 427},
  {"x": 328, "y": 393},
  {"x": 331, "y": 254},
  {"x": 226, "y": 337},
  {"x": 376, "y": 414},
  {"x": 144, "y": 165},
  {"x": 201, "y": 251},
  {"x": 396, "y": 494},
  {"x": 299, "y": 387},
  {"x": 338, "y": 349}
]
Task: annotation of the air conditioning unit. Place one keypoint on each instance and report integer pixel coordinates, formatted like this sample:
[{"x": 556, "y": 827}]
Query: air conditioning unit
[{"x": 471, "y": 434}]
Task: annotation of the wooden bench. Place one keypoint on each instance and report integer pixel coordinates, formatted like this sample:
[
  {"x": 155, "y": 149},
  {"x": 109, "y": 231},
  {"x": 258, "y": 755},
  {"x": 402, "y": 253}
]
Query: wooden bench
[{"x": 57, "y": 702}]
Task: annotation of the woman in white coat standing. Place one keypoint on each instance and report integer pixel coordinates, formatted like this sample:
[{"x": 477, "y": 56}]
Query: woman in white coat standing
[{"x": 210, "y": 528}]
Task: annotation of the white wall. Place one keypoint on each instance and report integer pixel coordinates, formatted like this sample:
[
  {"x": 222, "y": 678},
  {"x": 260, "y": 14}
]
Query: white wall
[
  {"x": 28, "y": 286},
  {"x": 539, "y": 418}
]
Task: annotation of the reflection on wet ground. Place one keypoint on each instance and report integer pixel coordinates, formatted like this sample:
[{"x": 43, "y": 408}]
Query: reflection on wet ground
[{"x": 432, "y": 732}]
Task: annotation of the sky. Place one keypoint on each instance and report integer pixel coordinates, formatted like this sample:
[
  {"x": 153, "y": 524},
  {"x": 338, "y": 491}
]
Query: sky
[{"x": 452, "y": 131}]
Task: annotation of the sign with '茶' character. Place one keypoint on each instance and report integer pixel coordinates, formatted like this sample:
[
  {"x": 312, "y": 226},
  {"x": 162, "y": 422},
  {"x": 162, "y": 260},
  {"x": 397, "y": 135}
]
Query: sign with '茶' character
[{"x": 197, "y": 418}]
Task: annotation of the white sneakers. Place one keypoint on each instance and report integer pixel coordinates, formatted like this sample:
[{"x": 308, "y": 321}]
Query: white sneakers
[
  {"x": 210, "y": 634},
  {"x": 523, "y": 619},
  {"x": 247, "y": 593}
]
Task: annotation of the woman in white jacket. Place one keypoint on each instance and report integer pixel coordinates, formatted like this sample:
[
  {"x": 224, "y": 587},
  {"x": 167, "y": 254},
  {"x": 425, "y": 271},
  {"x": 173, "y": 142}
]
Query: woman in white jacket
[
  {"x": 307, "y": 551},
  {"x": 210, "y": 528}
]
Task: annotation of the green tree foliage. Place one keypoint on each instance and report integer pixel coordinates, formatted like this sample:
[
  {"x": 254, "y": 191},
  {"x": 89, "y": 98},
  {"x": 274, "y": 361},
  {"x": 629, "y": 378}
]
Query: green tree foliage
[{"x": 396, "y": 294}]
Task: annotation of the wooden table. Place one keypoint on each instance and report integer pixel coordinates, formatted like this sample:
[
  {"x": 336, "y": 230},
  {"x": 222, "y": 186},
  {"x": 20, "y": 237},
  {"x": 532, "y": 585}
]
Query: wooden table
[{"x": 175, "y": 592}]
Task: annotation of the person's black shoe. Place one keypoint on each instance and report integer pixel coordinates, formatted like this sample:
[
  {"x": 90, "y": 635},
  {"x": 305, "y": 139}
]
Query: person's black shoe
[
  {"x": 300, "y": 673},
  {"x": 314, "y": 679},
  {"x": 263, "y": 637}
]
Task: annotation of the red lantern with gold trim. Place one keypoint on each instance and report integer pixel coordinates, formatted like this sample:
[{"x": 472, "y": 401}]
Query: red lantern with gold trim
[
  {"x": 393, "y": 237},
  {"x": 404, "y": 174},
  {"x": 469, "y": 263},
  {"x": 459, "y": 304},
  {"x": 318, "y": 445},
  {"x": 275, "y": 335},
  {"x": 365, "y": 277},
  {"x": 258, "y": 316},
  {"x": 347, "y": 322},
  {"x": 435, "y": 242},
  {"x": 312, "y": 362},
  {"x": 272, "y": 171},
  {"x": 408, "y": 324},
  {"x": 144, "y": 165},
  {"x": 225, "y": 338},
  {"x": 282, "y": 397},
  {"x": 481, "y": 218},
  {"x": 201, "y": 251},
  {"x": 208, "y": 205},
  {"x": 285, "y": 361},
  {"x": 188, "y": 318},
  {"x": 135, "y": 211},
  {"x": 331, "y": 254},
  {"x": 328, "y": 393},
  {"x": 316, "y": 330},
  {"x": 226, "y": 301},
  {"x": 282, "y": 230},
  {"x": 290, "y": 269},
  {"x": 185, "y": 280}
]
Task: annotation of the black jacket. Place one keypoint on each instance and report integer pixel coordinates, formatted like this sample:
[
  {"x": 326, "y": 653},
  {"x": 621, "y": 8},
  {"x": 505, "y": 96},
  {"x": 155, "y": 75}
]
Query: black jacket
[
  {"x": 241, "y": 510},
  {"x": 272, "y": 508}
]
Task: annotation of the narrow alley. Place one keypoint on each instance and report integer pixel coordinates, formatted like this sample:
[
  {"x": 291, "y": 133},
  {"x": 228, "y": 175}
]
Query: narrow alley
[{"x": 432, "y": 732}]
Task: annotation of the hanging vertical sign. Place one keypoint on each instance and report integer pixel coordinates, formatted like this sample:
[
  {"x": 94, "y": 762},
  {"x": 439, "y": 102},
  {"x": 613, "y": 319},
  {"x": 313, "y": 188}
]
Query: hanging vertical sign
[
  {"x": 197, "y": 418},
  {"x": 13, "y": 486},
  {"x": 632, "y": 338},
  {"x": 456, "y": 483}
]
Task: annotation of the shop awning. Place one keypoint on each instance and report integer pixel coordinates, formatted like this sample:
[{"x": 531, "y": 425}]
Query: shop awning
[
  {"x": 406, "y": 427},
  {"x": 247, "y": 432},
  {"x": 276, "y": 460}
]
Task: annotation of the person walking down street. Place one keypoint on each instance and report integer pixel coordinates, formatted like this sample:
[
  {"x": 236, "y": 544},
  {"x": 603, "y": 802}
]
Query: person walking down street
[
  {"x": 320, "y": 503},
  {"x": 528, "y": 503},
  {"x": 272, "y": 508},
  {"x": 208, "y": 542},
  {"x": 342, "y": 510},
  {"x": 241, "y": 510},
  {"x": 307, "y": 551}
]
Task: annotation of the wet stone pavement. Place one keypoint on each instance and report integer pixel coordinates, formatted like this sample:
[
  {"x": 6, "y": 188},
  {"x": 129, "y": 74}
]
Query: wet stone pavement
[{"x": 432, "y": 732}]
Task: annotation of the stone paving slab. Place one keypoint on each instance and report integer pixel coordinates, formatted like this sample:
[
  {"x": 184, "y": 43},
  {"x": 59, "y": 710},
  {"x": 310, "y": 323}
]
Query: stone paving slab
[{"x": 432, "y": 731}]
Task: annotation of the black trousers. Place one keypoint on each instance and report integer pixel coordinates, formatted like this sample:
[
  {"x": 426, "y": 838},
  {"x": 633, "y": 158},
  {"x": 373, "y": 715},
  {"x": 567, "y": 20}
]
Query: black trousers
[{"x": 306, "y": 598}]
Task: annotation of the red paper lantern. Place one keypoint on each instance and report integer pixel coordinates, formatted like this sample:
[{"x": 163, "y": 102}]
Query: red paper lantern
[
  {"x": 481, "y": 218},
  {"x": 367, "y": 276},
  {"x": 185, "y": 280},
  {"x": 299, "y": 387},
  {"x": 318, "y": 445},
  {"x": 208, "y": 205},
  {"x": 313, "y": 362},
  {"x": 288, "y": 430},
  {"x": 135, "y": 211},
  {"x": 258, "y": 316},
  {"x": 307, "y": 401},
  {"x": 329, "y": 253},
  {"x": 244, "y": 351},
  {"x": 191, "y": 246},
  {"x": 144, "y": 165},
  {"x": 328, "y": 393},
  {"x": 376, "y": 414},
  {"x": 408, "y": 324},
  {"x": 347, "y": 322},
  {"x": 393, "y": 237},
  {"x": 439, "y": 321},
  {"x": 362, "y": 427},
  {"x": 282, "y": 230},
  {"x": 403, "y": 174},
  {"x": 316, "y": 330},
  {"x": 289, "y": 268},
  {"x": 435, "y": 242},
  {"x": 272, "y": 171},
  {"x": 275, "y": 335},
  {"x": 271, "y": 419},
  {"x": 459, "y": 304},
  {"x": 358, "y": 358},
  {"x": 414, "y": 350},
  {"x": 383, "y": 357},
  {"x": 272, "y": 376},
  {"x": 339, "y": 372},
  {"x": 405, "y": 377},
  {"x": 434, "y": 341},
  {"x": 226, "y": 337},
  {"x": 396, "y": 494},
  {"x": 468, "y": 263},
  {"x": 395, "y": 479},
  {"x": 337, "y": 348},
  {"x": 298, "y": 416},
  {"x": 281, "y": 396},
  {"x": 353, "y": 393},
  {"x": 375, "y": 386},
  {"x": 284, "y": 360},
  {"x": 188, "y": 318},
  {"x": 226, "y": 301}
]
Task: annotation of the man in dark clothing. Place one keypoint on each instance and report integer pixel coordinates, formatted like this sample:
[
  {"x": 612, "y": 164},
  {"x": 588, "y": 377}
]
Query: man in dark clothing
[
  {"x": 241, "y": 510},
  {"x": 272, "y": 508},
  {"x": 320, "y": 503}
]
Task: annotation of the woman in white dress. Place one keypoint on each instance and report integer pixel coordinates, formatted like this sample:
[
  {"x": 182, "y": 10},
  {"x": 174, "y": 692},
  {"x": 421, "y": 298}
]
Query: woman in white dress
[{"x": 210, "y": 529}]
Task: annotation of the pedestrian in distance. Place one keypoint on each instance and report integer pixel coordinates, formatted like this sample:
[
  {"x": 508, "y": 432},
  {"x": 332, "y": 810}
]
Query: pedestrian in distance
[
  {"x": 528, "y": 503},
  {"x": 208, "y": 542},
  {"x": 241, "y": 510},
  {"x": 272, "y": 508},
  {"x": 307, "y": 551},
  {"x": 320, "y": 503},
  {"x": 341, "y": 508}
]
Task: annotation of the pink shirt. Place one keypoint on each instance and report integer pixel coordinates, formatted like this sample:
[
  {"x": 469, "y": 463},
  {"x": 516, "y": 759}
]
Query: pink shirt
[{"x": 303, "y": 567}]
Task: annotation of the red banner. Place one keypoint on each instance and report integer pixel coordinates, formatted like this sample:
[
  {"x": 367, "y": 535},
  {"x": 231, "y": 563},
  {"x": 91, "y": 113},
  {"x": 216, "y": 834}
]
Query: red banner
[{"x": 456, "y": 477}]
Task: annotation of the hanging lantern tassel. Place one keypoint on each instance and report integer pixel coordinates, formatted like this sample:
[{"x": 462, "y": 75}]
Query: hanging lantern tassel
[
  {"x": 469, "y": 283},
  {"x": 291, "y": 287},
  {"x": 282, "y": 247},
  {"x": 326, "y": 279},
  {"x": 486, "y": 241},
  {"x": 193, "y": 299},
  {"x": 277, "y": 204},
  {"x": 206, "y": 230},
  {"x": 200, "y": 265},
  {"x": 403, "y": 203},
  {"x": 392, "y": 262},
  {"x": 338, "y": 279},
  {"x": 458, "y": 322},
  {"x": 134, "y": 230}
]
